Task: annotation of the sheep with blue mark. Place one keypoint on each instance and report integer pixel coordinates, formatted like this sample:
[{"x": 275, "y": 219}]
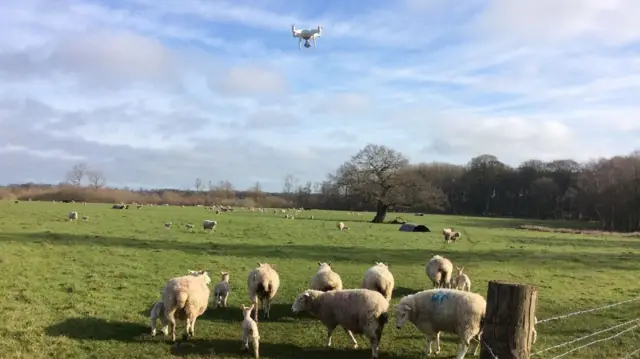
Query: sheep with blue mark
[{"x": 444, "y": 310}]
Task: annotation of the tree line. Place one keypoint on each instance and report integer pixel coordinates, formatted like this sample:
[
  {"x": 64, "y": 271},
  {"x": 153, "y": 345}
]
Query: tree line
[{"x": 381, "y": 179}]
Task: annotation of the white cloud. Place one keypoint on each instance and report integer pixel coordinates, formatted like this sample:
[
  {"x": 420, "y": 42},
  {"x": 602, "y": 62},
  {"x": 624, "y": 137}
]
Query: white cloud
[{"x": 250, "y": 80}]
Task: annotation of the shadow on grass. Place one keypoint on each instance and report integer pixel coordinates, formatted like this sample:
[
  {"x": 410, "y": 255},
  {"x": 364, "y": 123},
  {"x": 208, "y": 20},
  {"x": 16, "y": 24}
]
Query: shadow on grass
[
  {"x": 280, "y": 313},
  {"x": 232, "y": 348},
  {"x": 91, "y": 328},
  {"x": 509, "y": 223},
  {"x": 355, "y": 254},
  {"x": 610, "y": 243},
  {"x": 399, "y": 292}
]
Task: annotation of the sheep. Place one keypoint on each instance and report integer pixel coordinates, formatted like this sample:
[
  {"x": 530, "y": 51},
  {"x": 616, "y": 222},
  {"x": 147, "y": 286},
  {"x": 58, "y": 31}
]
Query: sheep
[
  {"x": 439, "y": 270},
  {"x": 85, "y": 218},
  {"x": 341, "y": 226},
  {"x": 380, "y": 279},
  {"x": 157, "y": 312},
  {"x": 167, "y": 225},
  {"x": 209, "y": 224},
  {"x": 461, "y": 280},
  {"x": 325, "y": 278},
  {"x": 73, "y": 216},
  {"x": 250, "y": 331},
  {"x": 262, "y": 284},
  {"x": 312, "y": 217},
  {"x": 221, "y": 291},
  {"x": 446, "y": 310},
  {"x": 455, "y": 235},
  {"x": 189, "y": 293},
  {"x": 359, "y": 311}
]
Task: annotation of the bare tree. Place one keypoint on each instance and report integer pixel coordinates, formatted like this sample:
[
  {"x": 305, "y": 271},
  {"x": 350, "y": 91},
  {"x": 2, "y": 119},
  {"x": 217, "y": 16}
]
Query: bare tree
[
  {"x": 227, "y": 189},
  {"x": 372, "y": 175},
  {"x": 290, "y": 182},
  {"x": 256, "y": 191},
  {"x": 97, "y": 178},
  {"x": 199, "y": 185},
  {"x": 76, "y": 174}
]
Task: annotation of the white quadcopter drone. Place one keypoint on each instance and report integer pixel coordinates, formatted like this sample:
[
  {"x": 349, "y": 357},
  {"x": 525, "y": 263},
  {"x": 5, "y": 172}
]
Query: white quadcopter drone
[{"x": 307, "y": 35}]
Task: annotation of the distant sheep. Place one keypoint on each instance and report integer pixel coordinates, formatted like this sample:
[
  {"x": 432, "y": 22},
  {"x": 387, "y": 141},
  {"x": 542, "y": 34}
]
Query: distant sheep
[
  {"x": 342, "y": 227},
  {"x": 461, "y": 280},
  {"x": 358, "y": 311},
  {"x": 250, "y": 331},
  {"x": 167, "y": 225},
  {"x": 120, "y": 206},
  {"x": 439, "y": 270},
  {"x": 85, "y": 218},
  {"x": 325, "y": 278},
  {"x": 221, "y": 291},
  {"x": 446, "y": 310},
  {"x": 380, "y": 279},
  {"x": 73, "y": 216},
  {"x": 188, "y": 226},
  {"x": 209, "y": 225},
  {"x": 189, "y": 293},
  {"x": 262, "y": 284}
]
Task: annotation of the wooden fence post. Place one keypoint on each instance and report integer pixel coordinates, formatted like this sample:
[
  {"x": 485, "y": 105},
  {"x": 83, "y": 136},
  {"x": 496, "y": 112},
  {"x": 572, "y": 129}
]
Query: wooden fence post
[{"x": 509, "y": 320}]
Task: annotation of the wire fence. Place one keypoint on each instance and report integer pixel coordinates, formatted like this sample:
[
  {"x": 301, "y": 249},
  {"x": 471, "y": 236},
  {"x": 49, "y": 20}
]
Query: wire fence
[{"x": 573, "y": 341}]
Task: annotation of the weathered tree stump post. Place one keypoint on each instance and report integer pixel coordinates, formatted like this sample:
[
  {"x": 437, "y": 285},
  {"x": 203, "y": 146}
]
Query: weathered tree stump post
[{"x": 509, "y": 323}]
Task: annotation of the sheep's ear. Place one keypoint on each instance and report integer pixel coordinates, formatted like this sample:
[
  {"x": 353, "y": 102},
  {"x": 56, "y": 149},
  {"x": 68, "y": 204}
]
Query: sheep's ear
[
  {"x": 386, "y": 263},
  {"x": 329, "y": 264},
  {"x": 319, "y": 263},
  {"x": 259, "y": 264},
  {"x": 461, "y": 269},
  {"x": 223, "y": 273}
]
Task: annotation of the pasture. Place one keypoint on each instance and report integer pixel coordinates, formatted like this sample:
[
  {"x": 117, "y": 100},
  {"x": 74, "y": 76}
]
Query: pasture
[{"x": 84, "y": 289}]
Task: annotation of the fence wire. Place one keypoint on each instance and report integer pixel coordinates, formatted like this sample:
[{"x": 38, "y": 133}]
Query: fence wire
[
  {"x": 587, "y": 310},
  {"x": 596, "y": 341}
]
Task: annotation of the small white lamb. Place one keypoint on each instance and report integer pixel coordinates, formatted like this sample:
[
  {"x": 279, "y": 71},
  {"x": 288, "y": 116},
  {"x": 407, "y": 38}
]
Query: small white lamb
[
  {"x": 250, "y": 332},
  {"x": 73, "y": 216},
  {"x": 221, "y": 291},
  {"x": 461, "y": 280}
]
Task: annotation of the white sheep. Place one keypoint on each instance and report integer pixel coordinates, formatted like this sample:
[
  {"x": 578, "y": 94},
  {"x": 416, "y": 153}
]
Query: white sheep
[
  {"x": 73, "y": 216},
  {"x": 446, "y": 310},
  {"x": 380, "y": 279},
  {"x": 188, "y": 226},
  {"x": 209, "y": 224},
  {"x": 221, "y": 291},
  {"x": 452, "y": 237},
  {"x": 250, "y": 332},
  {"x": 325, "y": 278},
  {"x": 358, "y": 311},
  {"x": 189, "y": 293},
  {"x": 262, "y": 284},
  {"x": 461, "y": 281},
  {"x": 85, "y": 218},
  {"x": 341, "y": 226},
  {"x": 439, "y": 270}
]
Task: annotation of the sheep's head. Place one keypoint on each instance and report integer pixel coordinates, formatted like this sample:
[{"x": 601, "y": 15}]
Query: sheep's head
[
  {"x": 402, "y": 314},
  {"x": 246, "y": 311},
  {"x": 459, "y": 270},
  {"x": 225, "y": 276},
  {"x": 382, "y": 264},
  {"x": 303, "y": 300},
  {"x": 324, "y": 265},
  {"x": 201, "y": 272}
]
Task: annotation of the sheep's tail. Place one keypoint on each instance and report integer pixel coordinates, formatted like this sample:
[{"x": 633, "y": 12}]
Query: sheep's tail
[{"x": 181, "y": 300}]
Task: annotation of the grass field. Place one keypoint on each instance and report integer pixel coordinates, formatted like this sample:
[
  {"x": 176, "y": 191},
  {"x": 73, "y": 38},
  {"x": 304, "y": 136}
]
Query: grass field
[{"x": 84, "y": 290}]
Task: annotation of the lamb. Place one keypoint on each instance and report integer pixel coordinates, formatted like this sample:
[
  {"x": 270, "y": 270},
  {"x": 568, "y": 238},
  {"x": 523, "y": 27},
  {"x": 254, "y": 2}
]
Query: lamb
[
  {"x": 341, "y": 226},
  {"x": 439, "y": 270},
  {"x": 188, "y": 226},
  {"x": 359, "y": 311},
  {"x": 461, "y": 280},
  {"x": 85, "y": 218},
  {"x": 325, "y": 278},
  {"x": 446, "y": 310},
  {"x": 263, "y": 283},
  {"x": 250, "y": 332},
  {"x": 221, "y": 291},
  {"x": 73, "y": 216},
  {"x": 380, "y": 279},
  {"x": 452, "y": 237},
  {"x": 209, "y": 224},
  {"x": 189, "y": 293},
  {"x": 157, "y": 312}
]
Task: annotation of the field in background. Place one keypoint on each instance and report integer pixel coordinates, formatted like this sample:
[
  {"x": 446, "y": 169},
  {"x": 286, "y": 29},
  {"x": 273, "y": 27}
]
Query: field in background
[{"x": 78, "y": 290}]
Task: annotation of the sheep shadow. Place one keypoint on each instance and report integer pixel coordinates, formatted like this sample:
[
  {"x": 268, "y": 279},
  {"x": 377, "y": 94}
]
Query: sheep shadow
[
  {"x": 399, "y": 292},
  {"x": 91, "y": 328},
  {"x": 280, "y": 313},
  {"x": 232, "y": 348}
]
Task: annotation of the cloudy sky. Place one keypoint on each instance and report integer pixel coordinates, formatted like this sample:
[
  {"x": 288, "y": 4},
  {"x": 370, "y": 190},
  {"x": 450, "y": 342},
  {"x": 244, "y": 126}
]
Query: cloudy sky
[{"x": 156, "y": 93}]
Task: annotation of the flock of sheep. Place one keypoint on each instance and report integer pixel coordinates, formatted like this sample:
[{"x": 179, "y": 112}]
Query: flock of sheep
[{"x": 449, "y": 307}]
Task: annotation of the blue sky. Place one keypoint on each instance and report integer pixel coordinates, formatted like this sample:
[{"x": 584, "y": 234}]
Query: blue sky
[{"x": 158, "y": 93}]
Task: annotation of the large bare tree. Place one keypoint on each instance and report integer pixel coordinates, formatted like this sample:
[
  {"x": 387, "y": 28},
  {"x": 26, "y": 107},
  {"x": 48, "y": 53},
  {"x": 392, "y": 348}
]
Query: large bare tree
[
  {"x": 76, "y": 174},
  {"x": 372, "y": 174},
  {"x": 97, "y": 178},
  {"x": 199, "y": 185}
]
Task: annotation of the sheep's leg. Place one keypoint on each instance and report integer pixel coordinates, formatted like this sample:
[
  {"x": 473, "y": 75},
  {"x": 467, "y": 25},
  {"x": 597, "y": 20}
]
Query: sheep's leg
[
  {"x": 476, "y": 345},
  {"x": 171, "y": 319},
  {"x": 187, "y": 329},
  {"x": 254, "y": 301},
  {"x": 464, "y": 347},
  {"x": 224, "y": 300},
  {"x": 244, "y": 346},
  {"x": 437, "y": 343},
  {"x": 256, "y": 347},
  {"x": 153, "y": 327},
  {"x": 330, "y": 330},
  {"x": 193, "y": 326},
  {"x": 267, "y": 308},
  {"x": 353, "y": 339},
  {"x": 216, "y": 301}
]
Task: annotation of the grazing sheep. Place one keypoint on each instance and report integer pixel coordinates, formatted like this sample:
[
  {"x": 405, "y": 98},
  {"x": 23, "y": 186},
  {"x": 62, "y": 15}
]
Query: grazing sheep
[
  {"x": 325, "y": 278},
  {"x": 461, "y": 280},
  {"x": 85, "y": 218},
  {"x": 189, "y": 293},
  {"x": 312, "y": 217},
  {"x": 455, "y": 235},
  {"x": 446, "y": 310},
  {"x": 73, "y": 216},
  {"x": 188, "y": 226},
  {"x": 221, "y": 291},
  {"x": 250, "y": 331},
  {"x": 209, "y": 224},
  {"x": 359, "y": 311},
  {"x": 380, "y": 279},
  {"x": 341, "y": 226},
  {"x": 439, "y": 270},
  {"x": 167, "y": 225},
  {"x": 263, "y": 283}
]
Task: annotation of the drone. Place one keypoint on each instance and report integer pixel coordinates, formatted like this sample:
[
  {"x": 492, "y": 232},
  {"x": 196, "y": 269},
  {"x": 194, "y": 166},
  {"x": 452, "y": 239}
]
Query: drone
[{"x": 307, "y": 35}]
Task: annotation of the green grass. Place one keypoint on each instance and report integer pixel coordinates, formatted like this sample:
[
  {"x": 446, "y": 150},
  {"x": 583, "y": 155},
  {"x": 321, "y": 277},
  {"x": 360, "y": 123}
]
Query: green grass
[{"x": 84, "y": 290}]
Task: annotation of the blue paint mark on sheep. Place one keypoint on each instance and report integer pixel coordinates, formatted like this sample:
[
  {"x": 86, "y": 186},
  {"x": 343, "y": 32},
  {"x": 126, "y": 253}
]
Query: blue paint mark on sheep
[{"x": 439, "y": 297}]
